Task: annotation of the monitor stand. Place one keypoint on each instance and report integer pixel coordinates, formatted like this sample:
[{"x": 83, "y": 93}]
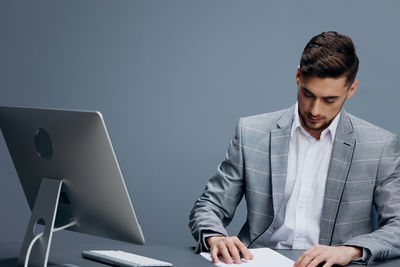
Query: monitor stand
[{"x": 44, "y": 211}]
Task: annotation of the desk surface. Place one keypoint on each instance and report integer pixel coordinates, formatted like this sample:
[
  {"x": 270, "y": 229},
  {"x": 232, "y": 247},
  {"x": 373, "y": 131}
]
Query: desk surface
[{"x": 69, "y": 251}]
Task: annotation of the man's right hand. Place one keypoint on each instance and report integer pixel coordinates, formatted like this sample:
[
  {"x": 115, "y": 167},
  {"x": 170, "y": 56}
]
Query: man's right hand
[{"x": 229, "y": 247}]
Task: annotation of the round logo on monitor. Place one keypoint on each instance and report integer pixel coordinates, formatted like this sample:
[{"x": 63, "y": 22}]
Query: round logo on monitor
[{"x": 43, "y": 144}]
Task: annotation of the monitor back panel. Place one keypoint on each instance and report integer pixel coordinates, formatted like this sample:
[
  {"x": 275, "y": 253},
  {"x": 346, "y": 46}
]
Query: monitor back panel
[{"x": 73, "y": 146}]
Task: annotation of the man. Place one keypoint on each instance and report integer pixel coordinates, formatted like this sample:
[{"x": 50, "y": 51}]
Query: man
[{"x": 310, "y": 174}]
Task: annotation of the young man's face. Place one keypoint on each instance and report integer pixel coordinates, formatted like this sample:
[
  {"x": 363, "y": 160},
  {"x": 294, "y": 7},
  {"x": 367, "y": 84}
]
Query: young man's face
[{"x": 320, "y": 100}]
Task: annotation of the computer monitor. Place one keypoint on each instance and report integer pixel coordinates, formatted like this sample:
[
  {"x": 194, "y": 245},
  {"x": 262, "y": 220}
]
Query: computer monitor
[{"x": 70, "y": 176}]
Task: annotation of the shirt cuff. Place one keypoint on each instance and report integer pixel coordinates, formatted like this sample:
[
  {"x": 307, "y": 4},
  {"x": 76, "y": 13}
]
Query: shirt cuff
[{"x": 364, "y": 257}]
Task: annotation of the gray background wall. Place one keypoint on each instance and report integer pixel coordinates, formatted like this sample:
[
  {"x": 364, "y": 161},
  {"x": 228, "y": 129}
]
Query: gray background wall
[{"x": 171, "y": 79}]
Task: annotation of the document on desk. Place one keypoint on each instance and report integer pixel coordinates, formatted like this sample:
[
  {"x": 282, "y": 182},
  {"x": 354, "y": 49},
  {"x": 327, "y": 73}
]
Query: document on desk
[{"x": 264, "y": 257}]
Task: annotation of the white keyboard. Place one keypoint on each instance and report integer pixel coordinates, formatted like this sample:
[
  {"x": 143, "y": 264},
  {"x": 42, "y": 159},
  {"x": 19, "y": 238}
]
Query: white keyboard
[{"x": 122, "y": 258}]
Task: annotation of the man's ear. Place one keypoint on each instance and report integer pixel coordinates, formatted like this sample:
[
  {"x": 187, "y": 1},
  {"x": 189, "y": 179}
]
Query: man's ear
[
  {"x": 298, "y": 75},
  {"x": 352, "y": 89}
]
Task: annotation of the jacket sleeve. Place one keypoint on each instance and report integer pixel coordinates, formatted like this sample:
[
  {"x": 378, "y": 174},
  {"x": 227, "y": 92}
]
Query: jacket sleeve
[
  {"x": 385, "y": 241},
  {"x": 214, "y": 210}
]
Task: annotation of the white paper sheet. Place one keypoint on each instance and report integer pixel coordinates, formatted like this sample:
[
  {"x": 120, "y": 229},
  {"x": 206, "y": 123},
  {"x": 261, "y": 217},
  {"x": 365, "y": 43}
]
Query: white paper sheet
[{"x": 264, "y": 257}]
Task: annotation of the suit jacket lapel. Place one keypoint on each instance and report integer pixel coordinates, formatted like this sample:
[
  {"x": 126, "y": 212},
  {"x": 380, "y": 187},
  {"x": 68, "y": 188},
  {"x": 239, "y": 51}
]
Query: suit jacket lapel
[
  {"x": 280, "y": 138},
  {"x": 342, "y": 154},
  {"x": 279, "y": 147}
]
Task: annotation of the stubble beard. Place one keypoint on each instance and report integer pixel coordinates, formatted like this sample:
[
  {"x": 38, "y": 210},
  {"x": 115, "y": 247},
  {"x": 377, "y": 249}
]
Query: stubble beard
[{"x": 319, "y": 128}]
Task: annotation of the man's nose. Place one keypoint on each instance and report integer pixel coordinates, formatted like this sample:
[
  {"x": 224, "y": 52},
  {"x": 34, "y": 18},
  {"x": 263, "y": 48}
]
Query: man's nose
[{"x": 315, "y": 108}]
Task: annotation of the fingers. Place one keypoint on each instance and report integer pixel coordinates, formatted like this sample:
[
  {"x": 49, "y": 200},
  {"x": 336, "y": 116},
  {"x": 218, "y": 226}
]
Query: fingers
[
  {"x": 325, "y": 254},
  {"x": 229, "y": 248},
  {"x": 225, "y": 254},
  {"x": 214, "y": 254},
  {"x": 314, "y": 256},
  {"x": 317, "y": 260},
  {"x": 304, "y": 262},
  {"x": 328, "y": 264},
  {"x": 307, "y": 256},
  {"x": 243, "y": 249}
]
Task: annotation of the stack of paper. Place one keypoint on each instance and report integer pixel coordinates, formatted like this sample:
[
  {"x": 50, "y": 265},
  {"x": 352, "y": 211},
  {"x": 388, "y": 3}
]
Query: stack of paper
[{"x": 264, "y": 257}]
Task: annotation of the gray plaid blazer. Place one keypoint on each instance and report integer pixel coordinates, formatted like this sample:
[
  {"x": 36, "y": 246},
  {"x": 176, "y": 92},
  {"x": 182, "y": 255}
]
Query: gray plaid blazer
[{"x": 364, "y": 171}]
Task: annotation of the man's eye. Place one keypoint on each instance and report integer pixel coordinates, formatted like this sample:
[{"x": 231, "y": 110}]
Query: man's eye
[
  {"x": 307, "y": 94},
  {"x": 329, "y": 101}
]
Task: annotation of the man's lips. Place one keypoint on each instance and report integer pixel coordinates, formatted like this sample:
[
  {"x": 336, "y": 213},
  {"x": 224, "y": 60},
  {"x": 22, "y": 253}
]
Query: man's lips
[{"x": 313, "y": 119}]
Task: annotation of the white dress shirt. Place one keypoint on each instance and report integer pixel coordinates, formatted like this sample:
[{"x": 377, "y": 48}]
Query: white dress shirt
[{"x": 298, "y": 220}]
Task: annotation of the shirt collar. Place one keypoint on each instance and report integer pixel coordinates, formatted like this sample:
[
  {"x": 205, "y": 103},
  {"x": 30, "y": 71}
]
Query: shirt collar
[{"x": 331, "y": 130}]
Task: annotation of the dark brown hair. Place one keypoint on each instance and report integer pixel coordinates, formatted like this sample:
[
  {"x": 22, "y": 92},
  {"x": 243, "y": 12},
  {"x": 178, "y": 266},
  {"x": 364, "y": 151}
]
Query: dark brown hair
[{"x": 330, "y": 54}]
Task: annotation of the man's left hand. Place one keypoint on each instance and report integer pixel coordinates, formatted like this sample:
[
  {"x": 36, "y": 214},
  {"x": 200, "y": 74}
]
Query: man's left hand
[{"x": 330, "y": 255}]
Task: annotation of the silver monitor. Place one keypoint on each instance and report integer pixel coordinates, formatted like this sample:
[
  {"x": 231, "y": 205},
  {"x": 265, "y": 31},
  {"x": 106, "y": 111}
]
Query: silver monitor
[{"x": 70, "y": 176}]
